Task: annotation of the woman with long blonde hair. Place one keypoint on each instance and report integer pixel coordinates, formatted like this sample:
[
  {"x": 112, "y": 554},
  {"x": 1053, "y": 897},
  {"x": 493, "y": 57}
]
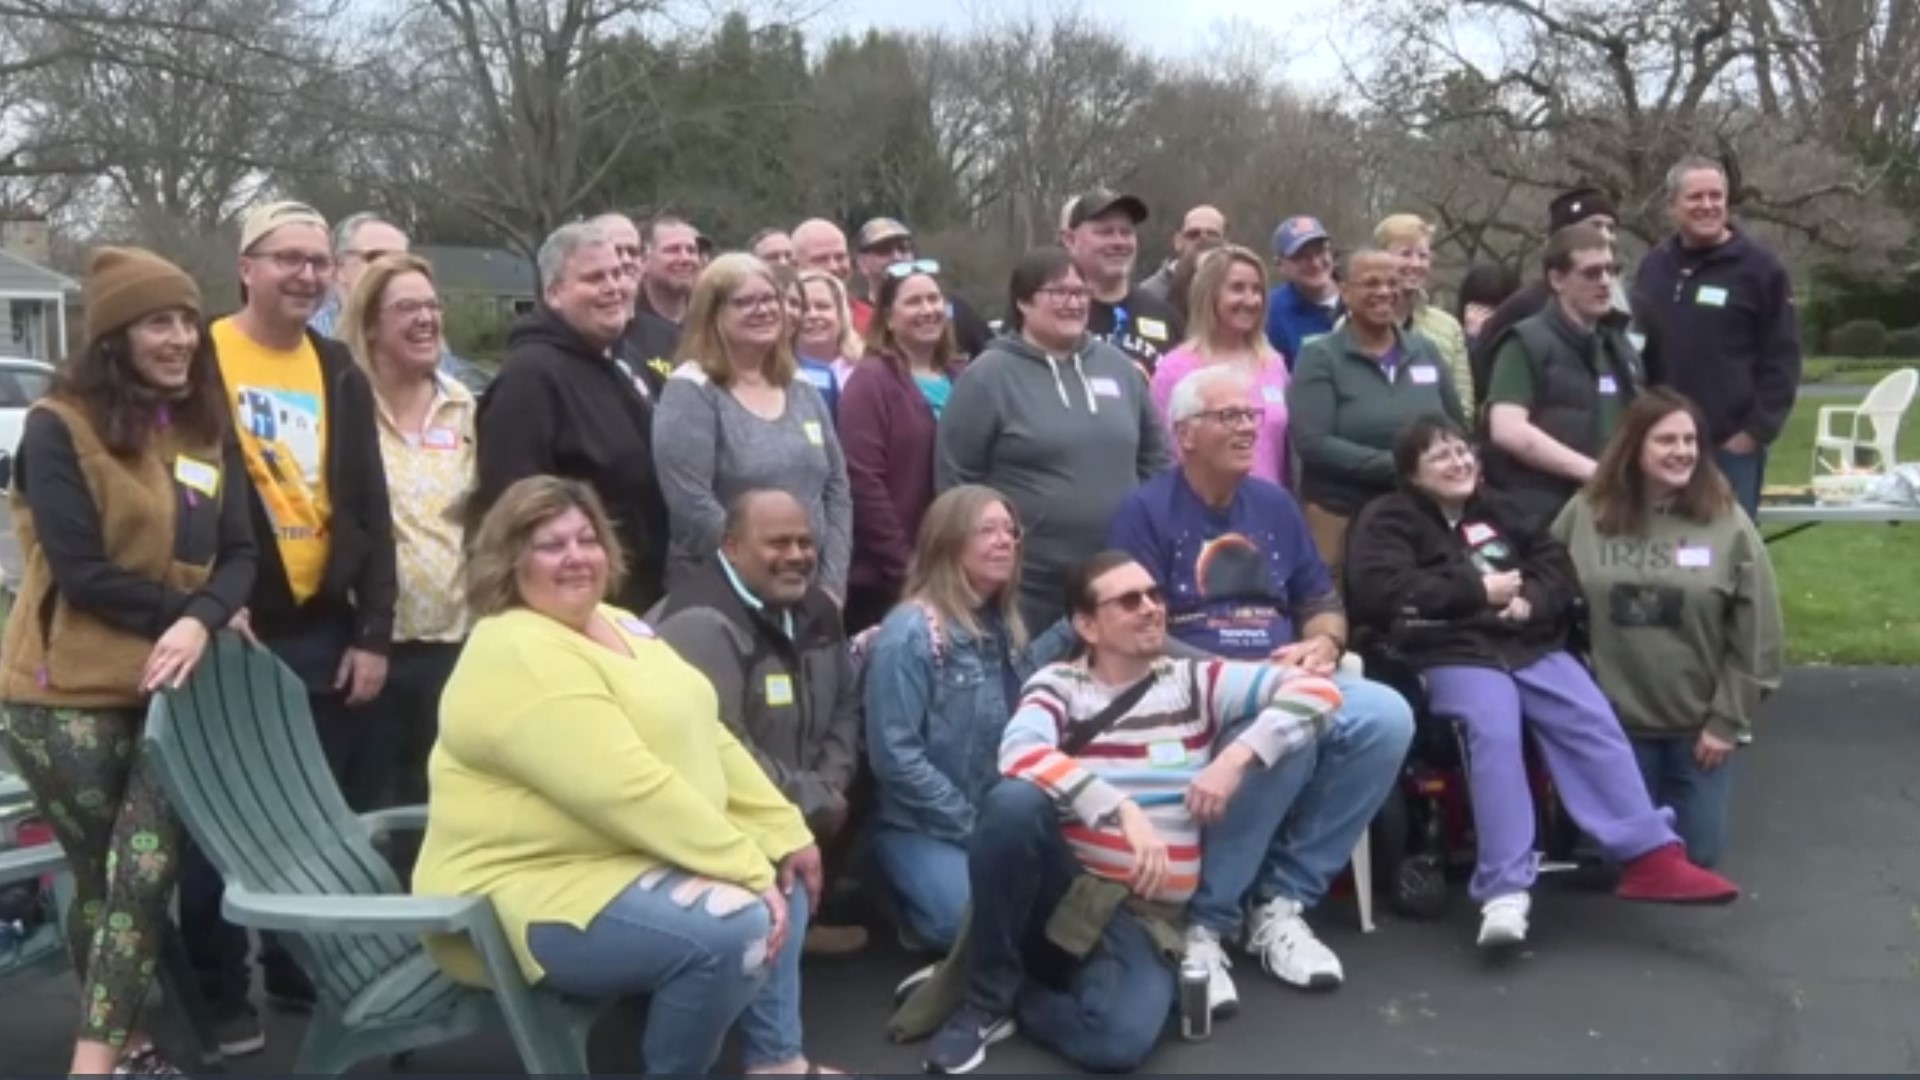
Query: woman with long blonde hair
[{"x": 1227, "y": 325}]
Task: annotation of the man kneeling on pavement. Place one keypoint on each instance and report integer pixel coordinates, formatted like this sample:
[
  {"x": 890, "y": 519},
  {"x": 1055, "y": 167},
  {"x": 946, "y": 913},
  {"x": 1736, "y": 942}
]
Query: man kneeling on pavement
[
  {"x": 1142, "y": 797},
  {"x": 772, "y": 644}
]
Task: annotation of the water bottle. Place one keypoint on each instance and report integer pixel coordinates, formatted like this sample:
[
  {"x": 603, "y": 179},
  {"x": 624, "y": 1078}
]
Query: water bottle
[{"x": 1196, "y": 1019}]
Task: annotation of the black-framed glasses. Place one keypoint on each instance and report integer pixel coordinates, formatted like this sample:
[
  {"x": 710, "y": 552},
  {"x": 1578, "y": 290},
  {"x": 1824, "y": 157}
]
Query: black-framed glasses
[
  {"x": 909, "y": 267},
  {"x": 1133, "y": 600},
  {"x": 749, "y": 304},
  {"x": 292, "y": 262},
  {"x": 1235, "y": 416}
]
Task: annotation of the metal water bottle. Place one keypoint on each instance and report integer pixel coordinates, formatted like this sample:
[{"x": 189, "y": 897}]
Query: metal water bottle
[{"x": 1196, "y": 1019}]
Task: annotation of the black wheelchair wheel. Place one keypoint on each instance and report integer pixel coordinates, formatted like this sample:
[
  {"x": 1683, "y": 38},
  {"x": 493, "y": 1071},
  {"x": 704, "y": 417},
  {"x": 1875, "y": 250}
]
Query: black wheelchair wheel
[{"x": 1420, "y": 888}]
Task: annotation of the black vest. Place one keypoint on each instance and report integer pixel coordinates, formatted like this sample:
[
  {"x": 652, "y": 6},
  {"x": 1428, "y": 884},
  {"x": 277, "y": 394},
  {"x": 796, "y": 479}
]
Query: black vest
[{"x": 1566, "y": 403}]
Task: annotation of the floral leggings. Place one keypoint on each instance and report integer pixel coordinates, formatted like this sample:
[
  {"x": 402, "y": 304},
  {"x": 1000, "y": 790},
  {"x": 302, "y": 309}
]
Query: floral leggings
[{"x": 106, "y": 807}]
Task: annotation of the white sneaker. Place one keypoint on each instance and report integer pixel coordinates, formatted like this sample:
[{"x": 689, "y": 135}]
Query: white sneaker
[
  {"x": 1503, "y": 920},
  {"x": 1204, "y": 945},
  {"x": 1279, "y": 935}
]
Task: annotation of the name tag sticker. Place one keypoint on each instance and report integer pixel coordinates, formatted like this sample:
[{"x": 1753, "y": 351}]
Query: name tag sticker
[
  {"x": 1167, "y": 755},
  {"x": 779, "y": 690},
  {"x": 1273, "y": 395},
  {"x": 1424, "y": 374},
  {"x": 1478, "y": 533},
  {"x": 1608, "y": 385},
  {"x": 198, "y": 475},
  {"x": 1710, "y": 296},
  {"x": 1693, "y": 558},
  {"x": 814, "y": 435},
  {"x": 635, "y": 626},
  {"x": 440, "y": 438},
  {"x": 1105, "y": 387},
  {"x": 1153, "y": 328}
]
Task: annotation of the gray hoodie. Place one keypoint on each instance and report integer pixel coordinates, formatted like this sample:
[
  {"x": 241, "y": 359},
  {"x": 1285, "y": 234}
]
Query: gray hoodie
[{"x": 1066, "y": 439}]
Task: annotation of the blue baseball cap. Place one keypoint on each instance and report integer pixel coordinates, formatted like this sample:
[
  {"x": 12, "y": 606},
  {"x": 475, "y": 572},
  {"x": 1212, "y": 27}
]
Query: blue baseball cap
[{"x": 1296, "y": 233}]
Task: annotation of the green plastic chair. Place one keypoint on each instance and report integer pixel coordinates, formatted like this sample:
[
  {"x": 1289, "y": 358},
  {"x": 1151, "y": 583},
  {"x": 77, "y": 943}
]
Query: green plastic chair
[{"x": 239, "y": 757}]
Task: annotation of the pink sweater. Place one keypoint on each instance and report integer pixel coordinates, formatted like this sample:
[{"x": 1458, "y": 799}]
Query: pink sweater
[{"x": 1269, "y": 392}]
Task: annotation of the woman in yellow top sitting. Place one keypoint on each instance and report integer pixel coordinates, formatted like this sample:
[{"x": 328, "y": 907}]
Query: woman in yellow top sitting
[{"x": 584, "y": 783}]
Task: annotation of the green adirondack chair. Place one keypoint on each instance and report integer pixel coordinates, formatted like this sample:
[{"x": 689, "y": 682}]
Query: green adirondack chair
[{"x": 240, "y": 759}]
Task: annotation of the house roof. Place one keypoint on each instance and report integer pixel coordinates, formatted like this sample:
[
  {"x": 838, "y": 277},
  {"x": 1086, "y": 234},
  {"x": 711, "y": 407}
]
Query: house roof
[
  {"x": 493, "y": 271},
  {"x": 19, "y": 277}
]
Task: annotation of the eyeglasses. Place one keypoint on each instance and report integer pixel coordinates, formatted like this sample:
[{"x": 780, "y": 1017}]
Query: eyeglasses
[
  {"x": 410, "y": 308},
  {"x": 1449, "y": 452},
  {"x": 1244, "y": 416},
  {"x": 1066, "y": 295},
  {"x": 910, "y": 267},
  {"x": 292, "y": 262},
  {"x": 747, "y": 305},
  {"x": 1133, "y": 600},
  {"x": 1599, "y": 271}
]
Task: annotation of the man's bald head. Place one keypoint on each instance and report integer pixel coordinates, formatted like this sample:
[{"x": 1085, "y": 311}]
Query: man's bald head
[
  {"x": 769, "y": 545},
  {"x": 1203, "y": 224},
  {"x": 819, "y": 244}
]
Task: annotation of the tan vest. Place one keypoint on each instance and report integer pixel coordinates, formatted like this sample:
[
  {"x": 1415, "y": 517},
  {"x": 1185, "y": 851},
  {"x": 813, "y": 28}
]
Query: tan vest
[{"x": 54, "y": 653}]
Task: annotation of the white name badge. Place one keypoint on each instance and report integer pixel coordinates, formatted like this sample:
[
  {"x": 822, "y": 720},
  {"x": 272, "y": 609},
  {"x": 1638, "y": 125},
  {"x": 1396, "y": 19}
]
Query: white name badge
[
  {"x": 814, "y": 435},
  {"x": 1273, "y": 395},
  {"x": 1105, "y": 387},
  {"x": 1711, "y": 296},
  {"x": 1608, "y": 385},
  {"x": 1423, "y": 374},
  {"x": 1478, "y": 533},
  {"x": 1167, "y": 755},
  {"x": 1693, "y": 558},
  {"x": 440, "y": 438},
  {"x": 198, "y": 475},
  {"x": 635, "y": 626},
  {"x": 1153, "y": 328}
]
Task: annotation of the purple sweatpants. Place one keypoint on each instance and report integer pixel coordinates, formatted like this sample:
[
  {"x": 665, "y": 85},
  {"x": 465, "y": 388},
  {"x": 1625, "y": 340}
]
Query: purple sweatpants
[{"x": 1585, "y": 751}]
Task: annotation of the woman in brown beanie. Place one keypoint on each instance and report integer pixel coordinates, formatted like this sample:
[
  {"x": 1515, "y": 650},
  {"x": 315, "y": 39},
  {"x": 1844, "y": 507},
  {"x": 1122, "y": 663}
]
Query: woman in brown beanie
[{"x": 130, "y": 503}]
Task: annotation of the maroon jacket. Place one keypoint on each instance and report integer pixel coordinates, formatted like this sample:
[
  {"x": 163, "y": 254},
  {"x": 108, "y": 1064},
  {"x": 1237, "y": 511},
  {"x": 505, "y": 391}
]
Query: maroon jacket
[{"x": 887, "y": 433}]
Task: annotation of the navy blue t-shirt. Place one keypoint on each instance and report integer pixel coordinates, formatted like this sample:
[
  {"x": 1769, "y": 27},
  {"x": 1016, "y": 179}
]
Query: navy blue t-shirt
[{"x": 1238, "y": 581}]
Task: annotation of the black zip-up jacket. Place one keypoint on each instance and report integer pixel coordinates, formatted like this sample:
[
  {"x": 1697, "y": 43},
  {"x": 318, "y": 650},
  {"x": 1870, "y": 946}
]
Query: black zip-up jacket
[
  {"x": 1721, "y": 329},
  {"x": 1531, "y": 300},
  {"x": 560, "y": 407},
  {"x": 361, "y": 581},
  {"x": 1413, "y": 582}
]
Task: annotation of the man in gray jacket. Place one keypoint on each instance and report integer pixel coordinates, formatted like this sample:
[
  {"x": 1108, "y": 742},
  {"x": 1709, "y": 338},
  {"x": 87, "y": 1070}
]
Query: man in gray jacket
[{"x": 773, "y": 646}]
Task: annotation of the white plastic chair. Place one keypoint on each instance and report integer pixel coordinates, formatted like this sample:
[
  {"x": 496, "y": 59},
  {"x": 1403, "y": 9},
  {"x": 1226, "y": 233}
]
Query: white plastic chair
[{"x": 1837, "y": 454}]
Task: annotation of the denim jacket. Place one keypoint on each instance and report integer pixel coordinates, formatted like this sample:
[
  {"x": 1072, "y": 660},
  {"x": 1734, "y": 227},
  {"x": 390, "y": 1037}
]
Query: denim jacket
[{"x": 934, "y": 724}]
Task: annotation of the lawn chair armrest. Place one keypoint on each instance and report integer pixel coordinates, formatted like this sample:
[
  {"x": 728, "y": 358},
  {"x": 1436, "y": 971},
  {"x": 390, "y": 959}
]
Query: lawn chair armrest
[
  {"x": 398, "y": 819},
  {"x": 308, "y": 914},
  {"x": 25, "y": 864}
]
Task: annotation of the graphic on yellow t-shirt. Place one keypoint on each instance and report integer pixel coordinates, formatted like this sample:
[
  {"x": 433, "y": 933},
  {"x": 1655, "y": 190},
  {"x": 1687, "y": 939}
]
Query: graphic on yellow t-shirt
[{"x": 279, "y": 413}]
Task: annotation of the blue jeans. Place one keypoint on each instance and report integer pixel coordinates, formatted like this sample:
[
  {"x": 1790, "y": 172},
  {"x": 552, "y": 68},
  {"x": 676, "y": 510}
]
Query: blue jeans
[
  {"x": 1745, "y": 473},
  {"x": 1104, "y": 1012},
  {"x": 930, "y": 878},
  {"x": 1290, "y": 829},
  {"x": 698, "y": 949},
  {"x": 1698, "y": 798}
]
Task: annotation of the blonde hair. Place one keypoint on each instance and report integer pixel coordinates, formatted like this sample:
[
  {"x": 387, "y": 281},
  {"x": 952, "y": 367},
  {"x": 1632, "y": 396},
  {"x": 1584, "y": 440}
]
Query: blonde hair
[
  {"x": 936, "y": 576},
  {"x": 701, "y": 341},
  {"x": 361, "y": 310},
  {"x": 1204, "y": 332},
  {"x": 851, "y": 347},
  {"x": 501, "y": 541},
  {"x": 1401, "y": 229}
]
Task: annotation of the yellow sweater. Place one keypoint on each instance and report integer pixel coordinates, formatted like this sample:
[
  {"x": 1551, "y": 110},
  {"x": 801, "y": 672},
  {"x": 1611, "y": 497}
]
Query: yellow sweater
[{"x": 564, "y": 771}]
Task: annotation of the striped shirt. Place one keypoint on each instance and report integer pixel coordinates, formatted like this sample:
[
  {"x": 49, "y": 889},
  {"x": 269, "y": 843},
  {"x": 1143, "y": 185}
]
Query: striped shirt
[{"x": 1153, "y": 752}]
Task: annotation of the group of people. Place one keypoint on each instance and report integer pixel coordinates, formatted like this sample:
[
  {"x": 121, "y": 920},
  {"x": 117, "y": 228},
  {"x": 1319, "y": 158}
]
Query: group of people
[{"x": 748, "y": 579}]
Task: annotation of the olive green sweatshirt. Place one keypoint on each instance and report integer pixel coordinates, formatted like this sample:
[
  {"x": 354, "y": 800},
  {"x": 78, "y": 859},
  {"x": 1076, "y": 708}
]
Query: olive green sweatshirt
[{"x": 1684, "y": 620}]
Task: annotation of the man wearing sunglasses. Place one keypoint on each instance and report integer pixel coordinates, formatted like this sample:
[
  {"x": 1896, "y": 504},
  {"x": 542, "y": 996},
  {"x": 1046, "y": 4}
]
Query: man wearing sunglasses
[
  {"x": 1242, "y": 579},
  {"x": 1560, "y": 380},
  {"x": 1203, "y": 224},
  {"x": 885, "y": 244}
]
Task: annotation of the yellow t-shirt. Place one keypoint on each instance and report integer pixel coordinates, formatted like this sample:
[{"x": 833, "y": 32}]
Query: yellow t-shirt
[{"x": 279, "y": 412}]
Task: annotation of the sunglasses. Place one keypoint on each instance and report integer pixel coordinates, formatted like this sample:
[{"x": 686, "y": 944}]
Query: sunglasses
[
  {"x": 1600, "y": 271},
  {"x": 1133, "y": 600},
  {"x": 909, "y": 267}
]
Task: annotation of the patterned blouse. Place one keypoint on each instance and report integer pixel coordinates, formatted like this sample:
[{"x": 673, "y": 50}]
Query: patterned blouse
[{"x": 429, "y": 473}]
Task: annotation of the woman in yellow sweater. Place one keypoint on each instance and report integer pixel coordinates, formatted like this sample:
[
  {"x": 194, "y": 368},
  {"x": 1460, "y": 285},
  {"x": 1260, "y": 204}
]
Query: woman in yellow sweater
[{"x": 584, "y": 783}]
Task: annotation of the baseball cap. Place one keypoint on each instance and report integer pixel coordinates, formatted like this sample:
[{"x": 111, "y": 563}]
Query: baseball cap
[
  {"x": 1099, "y": 203},
  {"x": 1296, "y": 233},
  {"x": 880, "y": 230},
  {"x": 262, "y": 220}
]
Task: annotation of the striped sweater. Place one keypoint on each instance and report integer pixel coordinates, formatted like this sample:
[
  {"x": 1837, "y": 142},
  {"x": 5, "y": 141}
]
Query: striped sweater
[{"x": 1153, "y": 752}]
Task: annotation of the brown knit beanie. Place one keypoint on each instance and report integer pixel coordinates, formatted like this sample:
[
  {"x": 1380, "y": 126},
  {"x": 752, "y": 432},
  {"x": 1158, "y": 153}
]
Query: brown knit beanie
[{"x": 125, "y": 285}]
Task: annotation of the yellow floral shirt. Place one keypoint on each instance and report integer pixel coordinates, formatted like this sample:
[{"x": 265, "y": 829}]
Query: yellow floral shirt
[{"x": 429, "y": 473}]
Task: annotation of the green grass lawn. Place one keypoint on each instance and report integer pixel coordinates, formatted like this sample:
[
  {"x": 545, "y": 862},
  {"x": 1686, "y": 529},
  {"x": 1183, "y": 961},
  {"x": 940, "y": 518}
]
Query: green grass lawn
[{"x": 1848, "y": 590}]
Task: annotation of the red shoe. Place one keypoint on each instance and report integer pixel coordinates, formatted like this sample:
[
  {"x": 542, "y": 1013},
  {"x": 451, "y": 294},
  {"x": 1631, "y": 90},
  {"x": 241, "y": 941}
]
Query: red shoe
[{"x": 1664, "y": 876}]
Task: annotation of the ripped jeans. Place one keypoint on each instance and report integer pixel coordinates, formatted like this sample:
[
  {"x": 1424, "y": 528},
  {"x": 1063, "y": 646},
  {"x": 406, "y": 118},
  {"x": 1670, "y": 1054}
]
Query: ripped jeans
[{"x": 697, "y": 948}]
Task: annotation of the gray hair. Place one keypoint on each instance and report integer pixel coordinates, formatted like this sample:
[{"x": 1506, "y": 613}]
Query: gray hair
[
  {"x": 561, "y": 244},
  {"x": 343, "y": 232},
  {"x": 1189, "y": 397},
  {"x": 1692, "y": 163}
]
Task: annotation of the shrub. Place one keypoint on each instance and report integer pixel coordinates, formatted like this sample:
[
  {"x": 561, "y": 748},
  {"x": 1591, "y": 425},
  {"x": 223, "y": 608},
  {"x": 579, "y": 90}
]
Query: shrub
[
  {"x": 1904, "y": 344},
  {"x": 1859, "y": 339}
]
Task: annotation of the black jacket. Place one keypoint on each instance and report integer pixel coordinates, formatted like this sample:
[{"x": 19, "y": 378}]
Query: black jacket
[
  {"x": 1721, "y": 329},
  {"x": 1531, "y": 300},
  {"x": 361, "y": 581},
  {"x": 560, "y": 407},
  {"x": 1413, "y": 582}
]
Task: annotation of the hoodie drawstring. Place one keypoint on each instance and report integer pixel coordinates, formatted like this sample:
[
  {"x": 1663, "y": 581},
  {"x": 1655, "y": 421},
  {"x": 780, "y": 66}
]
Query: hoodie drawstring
[
  {"x": 1060, "y": 385},
  {"x": 1093, "y": 402},
  {"x": 1054, "y": 366}
]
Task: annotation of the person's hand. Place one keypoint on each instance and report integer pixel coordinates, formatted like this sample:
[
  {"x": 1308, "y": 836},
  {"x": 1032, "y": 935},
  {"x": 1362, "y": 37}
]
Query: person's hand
[
  {"x": 1211, "y": 790},
  {"x": 1501, "y": 587},
  {"x": 776, "y": 902},
  {"x": 1474, "y": 317},
  {"x": 242, "y": 624},
  {"x": 174, "y": 656},
  {"x": 1317, "y": 655},
  {"x": 361, "y": 676},
  {"x": 1149, "y": 850},
  {"x": 1517, "y": 610},
  {"x": 1710, "y": 751},
  {"x": 805, "y": 865},
  {"x": 1741, "y": 443}
]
